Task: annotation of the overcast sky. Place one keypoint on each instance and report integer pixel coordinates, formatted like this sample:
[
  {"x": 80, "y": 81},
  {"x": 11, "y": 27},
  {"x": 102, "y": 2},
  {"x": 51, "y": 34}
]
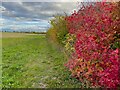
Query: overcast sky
[{"x": 33, "y": 12}]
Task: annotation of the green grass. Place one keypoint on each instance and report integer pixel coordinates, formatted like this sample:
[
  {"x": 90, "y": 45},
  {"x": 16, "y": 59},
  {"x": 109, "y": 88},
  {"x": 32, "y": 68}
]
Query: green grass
[{"x": 32, "y": 62}]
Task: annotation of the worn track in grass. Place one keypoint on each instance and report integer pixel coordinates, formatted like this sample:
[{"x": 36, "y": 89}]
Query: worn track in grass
[{"x": 31, "y": 61}]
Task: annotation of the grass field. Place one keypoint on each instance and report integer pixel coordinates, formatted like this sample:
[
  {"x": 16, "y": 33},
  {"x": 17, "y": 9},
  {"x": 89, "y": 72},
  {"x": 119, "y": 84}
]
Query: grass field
[{"x": 29, "y": 61}]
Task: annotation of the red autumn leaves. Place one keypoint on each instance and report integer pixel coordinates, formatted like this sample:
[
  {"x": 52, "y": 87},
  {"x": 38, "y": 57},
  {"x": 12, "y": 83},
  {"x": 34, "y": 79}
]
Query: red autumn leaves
[{"x": 95, "y": 62}]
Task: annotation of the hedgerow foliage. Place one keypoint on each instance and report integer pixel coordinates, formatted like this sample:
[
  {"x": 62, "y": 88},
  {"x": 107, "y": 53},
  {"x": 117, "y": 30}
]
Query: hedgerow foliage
[
  {"x": 52, "y": 35},
  {"x": 95, "y": 61},
  {"x": 91, "y": 39},
  {"x": 58, "y": 25}
]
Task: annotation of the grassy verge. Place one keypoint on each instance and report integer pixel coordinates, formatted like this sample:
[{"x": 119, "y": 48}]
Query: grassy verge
[{"x": 31, "y": 61}]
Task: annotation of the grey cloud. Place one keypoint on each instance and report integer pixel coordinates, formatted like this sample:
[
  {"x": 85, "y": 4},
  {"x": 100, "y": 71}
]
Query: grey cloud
[{"x": 39, "y": 10}]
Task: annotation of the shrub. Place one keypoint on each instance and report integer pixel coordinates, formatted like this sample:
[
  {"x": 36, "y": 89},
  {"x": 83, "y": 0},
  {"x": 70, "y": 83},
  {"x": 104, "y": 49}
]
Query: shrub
[
  {"x": 58, "y": 23},
  {"x": 95, "y": 62},
  {"x": 69, "y": 45},
  {"x": 52, "y": 35}
]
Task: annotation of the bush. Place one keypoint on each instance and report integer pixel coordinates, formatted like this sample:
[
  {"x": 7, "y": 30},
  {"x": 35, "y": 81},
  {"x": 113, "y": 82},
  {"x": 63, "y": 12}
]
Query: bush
[
  {"x": 58, "y": 24},
  {"x": 69, "y": 45},
  {"x": 96, "y": 28},
  {"x": 52, "y": 35}
]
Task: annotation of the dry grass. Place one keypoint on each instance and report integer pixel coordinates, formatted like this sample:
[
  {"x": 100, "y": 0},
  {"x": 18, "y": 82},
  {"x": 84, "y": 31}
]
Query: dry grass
[{"x": 13, "y": 34}]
